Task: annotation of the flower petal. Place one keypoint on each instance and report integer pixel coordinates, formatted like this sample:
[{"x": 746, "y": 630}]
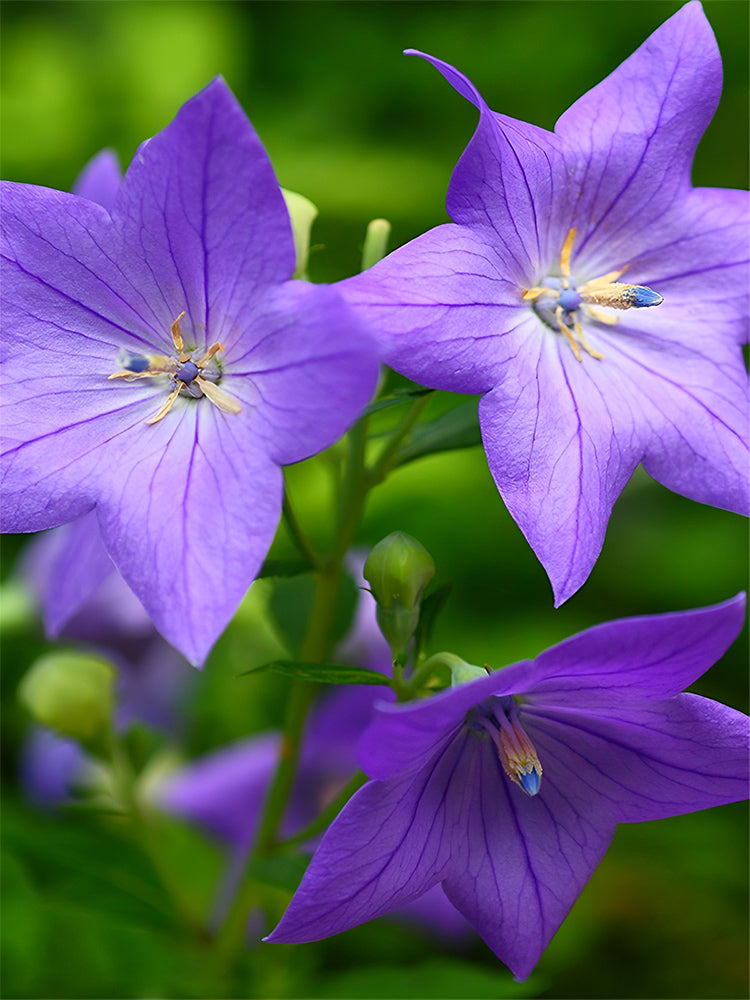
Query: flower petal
[
  {"x": 65, "y": 567},
  {"x": 696, "y": 411},
  {"x": 525, "y": 860},
  {"x": 405, "y": 737},
  {"x": 441, "y": 309},
  {"x": 224, "y": 790},
  {"x": 649, "y": 656},
  {"x": 506, "y": 183},
  {"x": 630, "y": 140},
  {"x": 390, "y": 844},
  {"x": 699, "y": 261},
  {"x": 100, "y": 179},
  {"x": 307, "y": 370},
  {"x": 188, "y": 511},
  {"x": 202, "y": 222},
  {"x": 647, "y": 759},
  {"x": 562, "y": 440}
]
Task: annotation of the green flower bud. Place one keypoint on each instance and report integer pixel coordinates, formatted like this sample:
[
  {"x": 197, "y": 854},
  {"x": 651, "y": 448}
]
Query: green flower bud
[
  {"x": 70, "y": 692},
  {"x": 376, "y": 242},
  {"x": 398, "y": 569}
]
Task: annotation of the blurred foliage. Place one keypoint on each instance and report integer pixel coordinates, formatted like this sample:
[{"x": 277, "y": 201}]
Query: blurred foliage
[{"x": 364, "y": 132}]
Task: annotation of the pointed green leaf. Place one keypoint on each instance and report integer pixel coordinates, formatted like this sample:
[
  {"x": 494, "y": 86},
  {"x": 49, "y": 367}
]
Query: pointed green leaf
[
  {"x": 322, "y": 673},
  {"x": 458, "y": 428}
]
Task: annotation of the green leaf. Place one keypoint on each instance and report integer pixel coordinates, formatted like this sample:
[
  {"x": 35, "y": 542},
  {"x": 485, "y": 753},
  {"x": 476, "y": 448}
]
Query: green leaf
[
  {"x": 280, "y": 872},
  {"x": 435, "y": 979},
  {"x": 323, "y": 673},
  {"x": 284, "y": 567},
  {"x": 431, "y": 607},
  {"x": 291, "y": 604},
  {"x": 398, "y": 396},
  {"x": 458, "y": 428}
]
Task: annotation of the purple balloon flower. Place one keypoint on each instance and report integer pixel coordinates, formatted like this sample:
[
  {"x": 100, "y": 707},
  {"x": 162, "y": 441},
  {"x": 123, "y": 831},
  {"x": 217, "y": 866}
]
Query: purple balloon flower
[
  {"x": 507, "y": 789},
  {"x": 160, "y": 365},
  {"x": 537, "y": 297}
]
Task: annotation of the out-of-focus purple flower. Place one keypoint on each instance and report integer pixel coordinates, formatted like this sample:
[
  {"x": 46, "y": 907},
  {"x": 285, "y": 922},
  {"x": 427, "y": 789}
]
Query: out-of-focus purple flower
[
  {"x": 507, "y": 789},
  {"x": 85, "y": 600},
  {"x": 224, "y": 368},
  {"x": 50, "y": 766},
  {"x": 224, "y": 790},
  {"x": 556, "y": 237}
]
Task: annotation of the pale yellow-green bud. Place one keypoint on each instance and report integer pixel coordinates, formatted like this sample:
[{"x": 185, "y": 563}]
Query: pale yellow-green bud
[
  {"x": 70, "y": 692},
  {"x": 302, "y": 214},
  {"x": 398, "y": 570}
]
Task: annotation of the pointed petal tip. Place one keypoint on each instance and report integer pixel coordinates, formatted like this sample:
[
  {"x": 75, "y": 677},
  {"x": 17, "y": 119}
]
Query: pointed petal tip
[{"x": 455, "y": 78}]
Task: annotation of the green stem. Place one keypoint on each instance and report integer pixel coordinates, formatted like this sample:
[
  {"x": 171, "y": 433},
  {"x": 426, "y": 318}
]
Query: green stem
[
  {"x": 297, "y": 535},
  {"x": 386, "y": 459},
  {"x": 315, "y": 648}
]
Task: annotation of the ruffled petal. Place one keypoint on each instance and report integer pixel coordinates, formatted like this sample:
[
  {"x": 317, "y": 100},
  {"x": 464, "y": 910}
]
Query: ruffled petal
[
  {"x": 389, "y": 845},
  {"x": 630, "y": 141},
  {"x": 647, "y": 760}
]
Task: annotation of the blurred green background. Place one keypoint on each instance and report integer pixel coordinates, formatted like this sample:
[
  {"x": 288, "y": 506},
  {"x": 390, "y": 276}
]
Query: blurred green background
[{"x": 364, "y": 132}]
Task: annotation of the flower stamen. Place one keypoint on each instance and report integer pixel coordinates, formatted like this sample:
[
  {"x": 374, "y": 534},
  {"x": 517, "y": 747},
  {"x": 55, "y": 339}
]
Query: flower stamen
[
  {"x": 559, "y": 301},
  {"x": 189, "y": 378},
  {"x": 516, "y": 752}
]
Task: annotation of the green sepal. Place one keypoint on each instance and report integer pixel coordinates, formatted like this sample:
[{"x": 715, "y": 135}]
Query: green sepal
[{"x": 322, "y": 673}]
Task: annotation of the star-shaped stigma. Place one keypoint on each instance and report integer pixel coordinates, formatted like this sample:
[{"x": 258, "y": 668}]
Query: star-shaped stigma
[
  {"x": 558, "y": 301},
  {"x": 190, "y": 378}
]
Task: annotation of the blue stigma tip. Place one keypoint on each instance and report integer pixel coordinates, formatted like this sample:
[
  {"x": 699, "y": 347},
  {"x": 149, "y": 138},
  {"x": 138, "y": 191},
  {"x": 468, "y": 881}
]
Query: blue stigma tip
[
  {"x": 136, "y": 363},
  {"x": 641, "y": 296},
  {"x": 530, "y": 782},
  {"x": 187, "y": 372}
]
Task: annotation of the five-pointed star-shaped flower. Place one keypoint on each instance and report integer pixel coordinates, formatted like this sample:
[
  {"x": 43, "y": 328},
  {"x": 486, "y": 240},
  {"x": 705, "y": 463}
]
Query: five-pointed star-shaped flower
[
  {"x": 595, "y": 299},
  {"x": 160, "y": 366},
  {"x": 507, "y": 789}
]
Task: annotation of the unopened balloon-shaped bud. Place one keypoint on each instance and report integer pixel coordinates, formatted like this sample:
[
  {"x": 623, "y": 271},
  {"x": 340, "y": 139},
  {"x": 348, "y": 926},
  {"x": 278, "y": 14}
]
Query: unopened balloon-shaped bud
[
  {"x": 72, "y": 693},
  {"x": 398, "y": 570}
]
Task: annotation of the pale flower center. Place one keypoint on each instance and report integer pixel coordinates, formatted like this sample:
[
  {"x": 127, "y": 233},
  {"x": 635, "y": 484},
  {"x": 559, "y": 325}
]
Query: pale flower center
[
  {"x": 561, "y": 304},
  {"x": 187, "y": 377}
]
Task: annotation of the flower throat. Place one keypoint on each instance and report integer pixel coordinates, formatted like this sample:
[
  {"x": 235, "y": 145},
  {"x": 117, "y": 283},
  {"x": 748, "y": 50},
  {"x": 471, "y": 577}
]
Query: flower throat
[{"x": 559, "y": 302}]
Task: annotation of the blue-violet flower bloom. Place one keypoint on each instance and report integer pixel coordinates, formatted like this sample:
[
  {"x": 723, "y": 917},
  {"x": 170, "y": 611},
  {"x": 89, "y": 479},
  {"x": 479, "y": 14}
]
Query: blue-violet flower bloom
[
  {"x": 160, "y": 365},
  {"x": 595, "y": 299},
  {"x": 507, "y": 789}
]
